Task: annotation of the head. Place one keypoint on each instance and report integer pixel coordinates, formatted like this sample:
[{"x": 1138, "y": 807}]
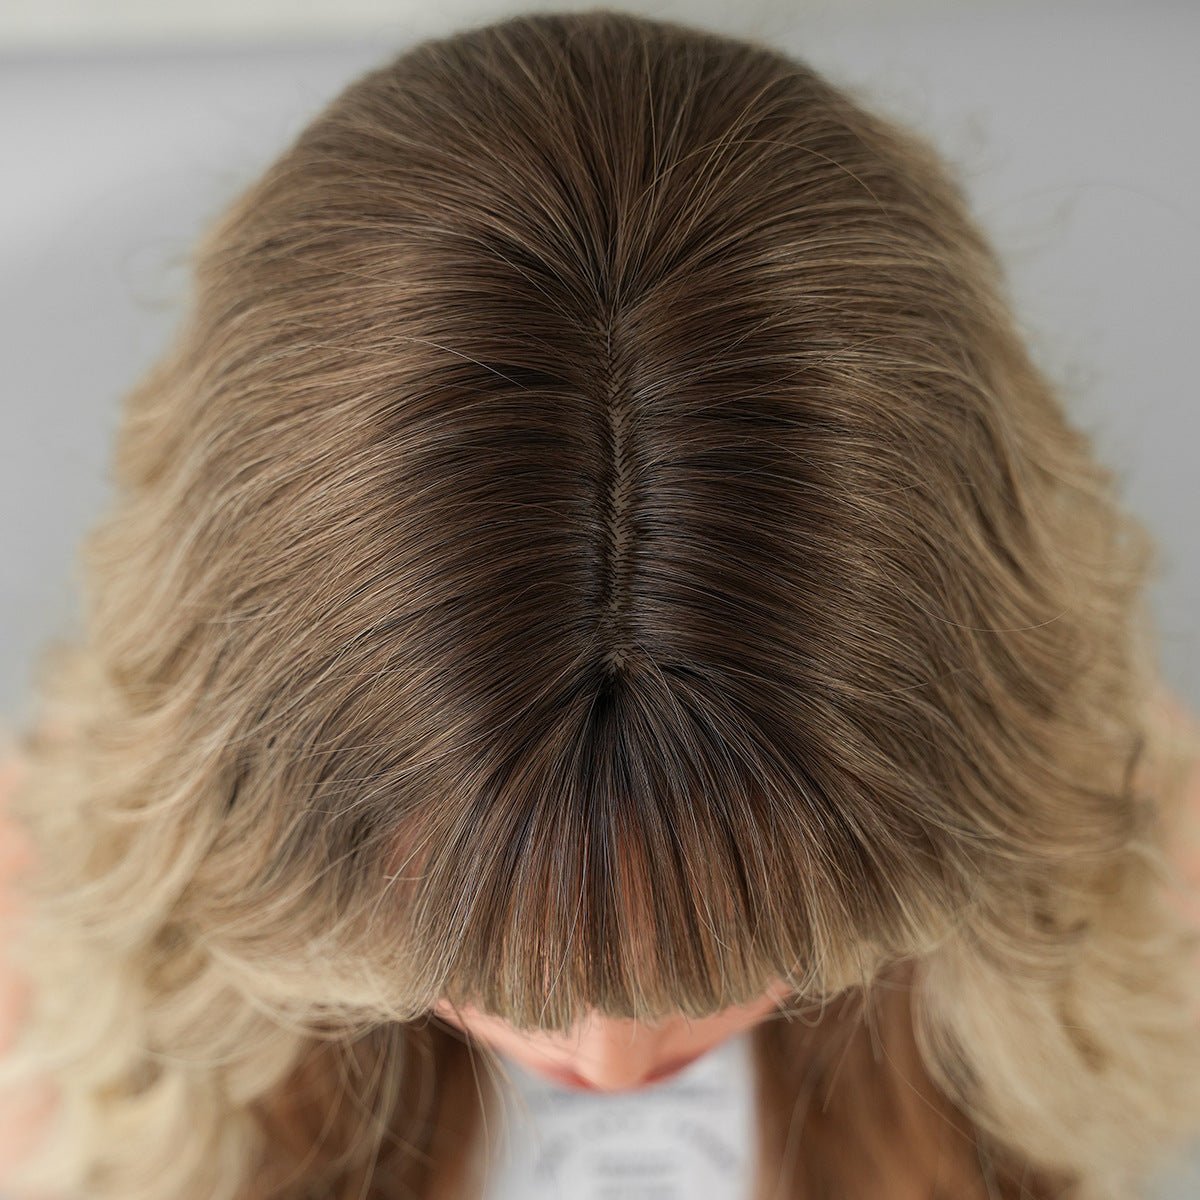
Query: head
[
  {"x": 598, "y": 571},
  {"x": 608, "y": 1055}
]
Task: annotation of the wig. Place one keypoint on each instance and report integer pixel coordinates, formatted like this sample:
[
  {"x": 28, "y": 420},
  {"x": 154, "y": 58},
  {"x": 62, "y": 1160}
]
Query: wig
[{"x": 599, "y": 541}]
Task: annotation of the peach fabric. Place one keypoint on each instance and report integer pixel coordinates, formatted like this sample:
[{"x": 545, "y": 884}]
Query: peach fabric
[
  {"x": 1186, "y": 845},
  {"x": 22, "y": 1115}
]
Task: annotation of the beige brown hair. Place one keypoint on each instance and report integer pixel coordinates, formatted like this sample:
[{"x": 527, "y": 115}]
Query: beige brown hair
[{"x": 599, "y": 541}]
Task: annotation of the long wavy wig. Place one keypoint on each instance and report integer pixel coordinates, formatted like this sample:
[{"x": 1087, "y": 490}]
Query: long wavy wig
[{"x": 599, "y": 541}]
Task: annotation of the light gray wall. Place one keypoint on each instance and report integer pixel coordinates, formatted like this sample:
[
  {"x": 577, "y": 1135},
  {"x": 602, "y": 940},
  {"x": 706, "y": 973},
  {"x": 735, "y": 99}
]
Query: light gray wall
[{"x": 1073, "y": 124}]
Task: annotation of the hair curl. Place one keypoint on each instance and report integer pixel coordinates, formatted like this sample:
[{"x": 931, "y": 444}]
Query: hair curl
[{"x": 598, "y": 540}]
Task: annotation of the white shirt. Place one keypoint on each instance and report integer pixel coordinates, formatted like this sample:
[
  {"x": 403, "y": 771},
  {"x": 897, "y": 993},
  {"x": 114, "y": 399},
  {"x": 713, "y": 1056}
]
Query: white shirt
[{"x": 687, "y": 1138}]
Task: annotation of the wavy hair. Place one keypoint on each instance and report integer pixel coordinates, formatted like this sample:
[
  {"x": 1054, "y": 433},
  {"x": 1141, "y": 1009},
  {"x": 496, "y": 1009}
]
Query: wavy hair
[{"x": 599, "y": 541}]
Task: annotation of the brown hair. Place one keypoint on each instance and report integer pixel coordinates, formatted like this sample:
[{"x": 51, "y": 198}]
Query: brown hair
[{"x": 599, "y": 541}]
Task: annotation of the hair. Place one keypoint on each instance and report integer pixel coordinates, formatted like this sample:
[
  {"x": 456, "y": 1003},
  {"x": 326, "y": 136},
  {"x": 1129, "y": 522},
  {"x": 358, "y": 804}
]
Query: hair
[{"x": 599, "y": 541}]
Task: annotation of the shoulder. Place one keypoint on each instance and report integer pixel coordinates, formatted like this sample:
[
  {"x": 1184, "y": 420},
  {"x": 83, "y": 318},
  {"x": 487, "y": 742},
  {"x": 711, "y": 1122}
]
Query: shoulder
[
  {"x": 14, "y": 848},
  {"x": 14, "y": 856},
  {"x": 1181, "y": 732},
  {"x": 25, "y": 1113}
]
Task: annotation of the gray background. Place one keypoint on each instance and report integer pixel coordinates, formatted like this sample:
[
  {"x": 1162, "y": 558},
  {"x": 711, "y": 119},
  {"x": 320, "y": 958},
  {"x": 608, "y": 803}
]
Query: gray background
[{"x": 1072, "y": 124}]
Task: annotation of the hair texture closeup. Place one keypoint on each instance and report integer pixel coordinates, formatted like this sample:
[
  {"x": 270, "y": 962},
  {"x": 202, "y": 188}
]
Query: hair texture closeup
[{"x": 599, "y": 541}]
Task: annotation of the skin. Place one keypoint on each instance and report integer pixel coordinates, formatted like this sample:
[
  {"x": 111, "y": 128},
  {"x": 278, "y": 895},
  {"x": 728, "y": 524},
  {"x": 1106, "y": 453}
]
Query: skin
[{"x": 604, "y": 1054}]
